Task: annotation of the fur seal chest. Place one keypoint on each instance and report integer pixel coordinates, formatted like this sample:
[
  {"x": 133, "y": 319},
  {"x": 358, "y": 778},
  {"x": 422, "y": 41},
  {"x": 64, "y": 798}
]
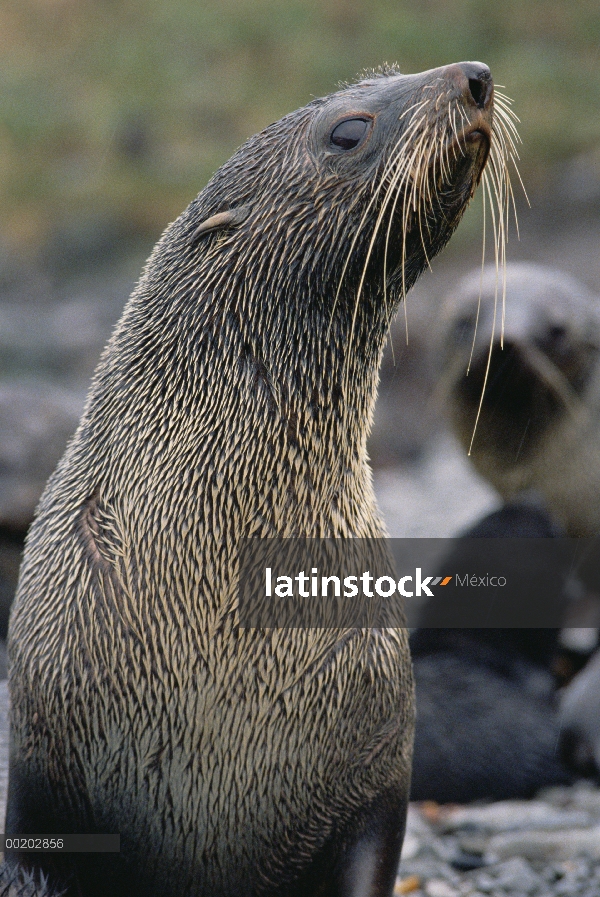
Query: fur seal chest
[{"x": 234, "y": 400}]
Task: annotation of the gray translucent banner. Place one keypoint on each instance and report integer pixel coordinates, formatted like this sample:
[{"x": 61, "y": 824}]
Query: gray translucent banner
[
  {"x": 438, "y": 583},
  {"x": 61, "y": 843}
]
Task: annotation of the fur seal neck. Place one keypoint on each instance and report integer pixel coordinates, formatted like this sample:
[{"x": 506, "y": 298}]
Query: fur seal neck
[{"x": 267, "y": 311}]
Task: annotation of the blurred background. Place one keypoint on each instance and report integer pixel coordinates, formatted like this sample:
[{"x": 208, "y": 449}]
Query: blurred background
[{"x": 113, "y": 115}]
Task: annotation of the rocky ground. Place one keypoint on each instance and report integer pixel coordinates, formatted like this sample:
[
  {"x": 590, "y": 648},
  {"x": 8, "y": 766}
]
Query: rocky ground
[{"x": 547, "y": 847}]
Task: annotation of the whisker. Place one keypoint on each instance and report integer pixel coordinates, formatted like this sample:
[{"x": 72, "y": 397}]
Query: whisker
[
  {"x": 403, "y": 171},
  {"x": 509, "y": 130},
  {"x": 403, "y": 167},
  {"x": 497, "y": 188},
  {"x": 403, "y": 138},
  {"x": 483, "y": 193},
  {"x": 396, "y": 187},
  {"x": 489, "y": 358}
]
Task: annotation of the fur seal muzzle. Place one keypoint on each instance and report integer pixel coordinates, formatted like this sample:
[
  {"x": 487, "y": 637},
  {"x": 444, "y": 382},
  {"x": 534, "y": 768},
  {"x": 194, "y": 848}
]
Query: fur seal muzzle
[{"x": 234, "y": 400}]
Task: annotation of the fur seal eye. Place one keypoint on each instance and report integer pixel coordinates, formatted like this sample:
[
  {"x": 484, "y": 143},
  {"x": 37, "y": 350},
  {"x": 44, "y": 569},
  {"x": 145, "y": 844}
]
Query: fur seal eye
[{"x": 349, "y": 133}]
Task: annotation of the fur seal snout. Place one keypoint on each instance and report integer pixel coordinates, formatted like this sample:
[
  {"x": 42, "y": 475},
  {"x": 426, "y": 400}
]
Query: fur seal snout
[{"x": 234, "y": 400}]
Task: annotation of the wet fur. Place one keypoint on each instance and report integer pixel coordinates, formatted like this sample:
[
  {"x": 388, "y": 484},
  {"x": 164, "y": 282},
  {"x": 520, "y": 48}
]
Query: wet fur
[{"x": 234, "y": 399}]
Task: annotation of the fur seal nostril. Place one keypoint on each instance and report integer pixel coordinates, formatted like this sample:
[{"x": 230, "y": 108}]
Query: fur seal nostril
[
  {"x": 233, "y": 400},
  {"x": 477, "y": 91},
  {"x": 474, "y": 80}
]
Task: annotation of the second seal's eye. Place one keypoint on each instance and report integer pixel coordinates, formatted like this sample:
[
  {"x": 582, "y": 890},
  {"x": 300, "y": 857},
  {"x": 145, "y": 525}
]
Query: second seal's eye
[{"x": 349, "y": 133}]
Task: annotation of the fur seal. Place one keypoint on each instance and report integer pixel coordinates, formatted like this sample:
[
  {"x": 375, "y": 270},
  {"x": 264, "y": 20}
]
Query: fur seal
[
  {"x": 537, "y": 435},
  {"x": 487, "y": 722},
  {"x": 233, "y": 400},
  {"x": 580, "y": 719},
  {"x": 539, "y": 426}
]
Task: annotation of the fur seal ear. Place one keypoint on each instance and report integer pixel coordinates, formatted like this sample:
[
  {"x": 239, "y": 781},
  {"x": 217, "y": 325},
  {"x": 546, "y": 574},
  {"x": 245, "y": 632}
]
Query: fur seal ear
[{"x": 230, "y": 218}]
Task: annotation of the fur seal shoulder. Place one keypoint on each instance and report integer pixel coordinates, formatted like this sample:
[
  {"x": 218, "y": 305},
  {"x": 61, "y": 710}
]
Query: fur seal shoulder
[{"x": 234, "y": 400}]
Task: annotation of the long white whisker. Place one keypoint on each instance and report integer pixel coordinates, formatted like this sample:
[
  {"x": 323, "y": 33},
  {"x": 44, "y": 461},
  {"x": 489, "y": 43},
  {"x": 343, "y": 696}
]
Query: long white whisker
[
  {"x": 489, "y": 358},
  {"x": 405, "y": 170},
  {"x": 483, "y": 193},
  {"x": 404, "y": 137},
  {"x": 396, "y": 186}
]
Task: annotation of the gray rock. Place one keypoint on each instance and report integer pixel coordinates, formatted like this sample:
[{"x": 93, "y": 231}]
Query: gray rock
[
  {"x": 428, "y": 868},
  {"x": 517, "y": 876},
  {"x": 411, "y": 846},
  {"x": 438, "y": 887},
  {"x": 485, "y": 882},
  {"x": 416, "y": 824},
  {"x": 36, "y": 420},
  {"x": 547, "y": 846},
  {"x": 584, "y": 794},
  {"x": 512, "y": 816}
]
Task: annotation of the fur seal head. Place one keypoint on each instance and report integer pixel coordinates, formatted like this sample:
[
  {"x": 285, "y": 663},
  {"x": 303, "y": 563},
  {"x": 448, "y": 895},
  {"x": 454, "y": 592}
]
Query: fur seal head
[
  {"x": 384, "y": 167},
  {"x": 537, "y": 353}
]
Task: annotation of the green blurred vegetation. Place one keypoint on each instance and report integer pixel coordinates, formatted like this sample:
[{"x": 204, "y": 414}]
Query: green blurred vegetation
[{"x": 120, "y": 110}]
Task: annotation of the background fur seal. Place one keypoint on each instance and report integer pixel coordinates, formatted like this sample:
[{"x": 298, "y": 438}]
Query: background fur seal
[
  {"x": 580, "y": 719},
  {"x": 539, "y": 426},
  {"x": 234, "y": 399},
  {"x": 487, "y": 722}
]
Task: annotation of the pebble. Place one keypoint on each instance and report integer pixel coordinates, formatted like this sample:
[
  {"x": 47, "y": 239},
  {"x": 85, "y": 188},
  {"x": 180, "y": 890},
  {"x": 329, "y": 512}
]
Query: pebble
[
  {"x": 542, "y": 845},
  {"x": 437, "y": 887},
  {"x": 517, "y": 876},
  {"x": 513, "y": 815}
]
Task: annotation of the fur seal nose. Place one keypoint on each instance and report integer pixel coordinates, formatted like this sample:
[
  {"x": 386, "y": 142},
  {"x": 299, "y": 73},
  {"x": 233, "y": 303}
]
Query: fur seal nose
[{"x": 480, "y": 82}]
